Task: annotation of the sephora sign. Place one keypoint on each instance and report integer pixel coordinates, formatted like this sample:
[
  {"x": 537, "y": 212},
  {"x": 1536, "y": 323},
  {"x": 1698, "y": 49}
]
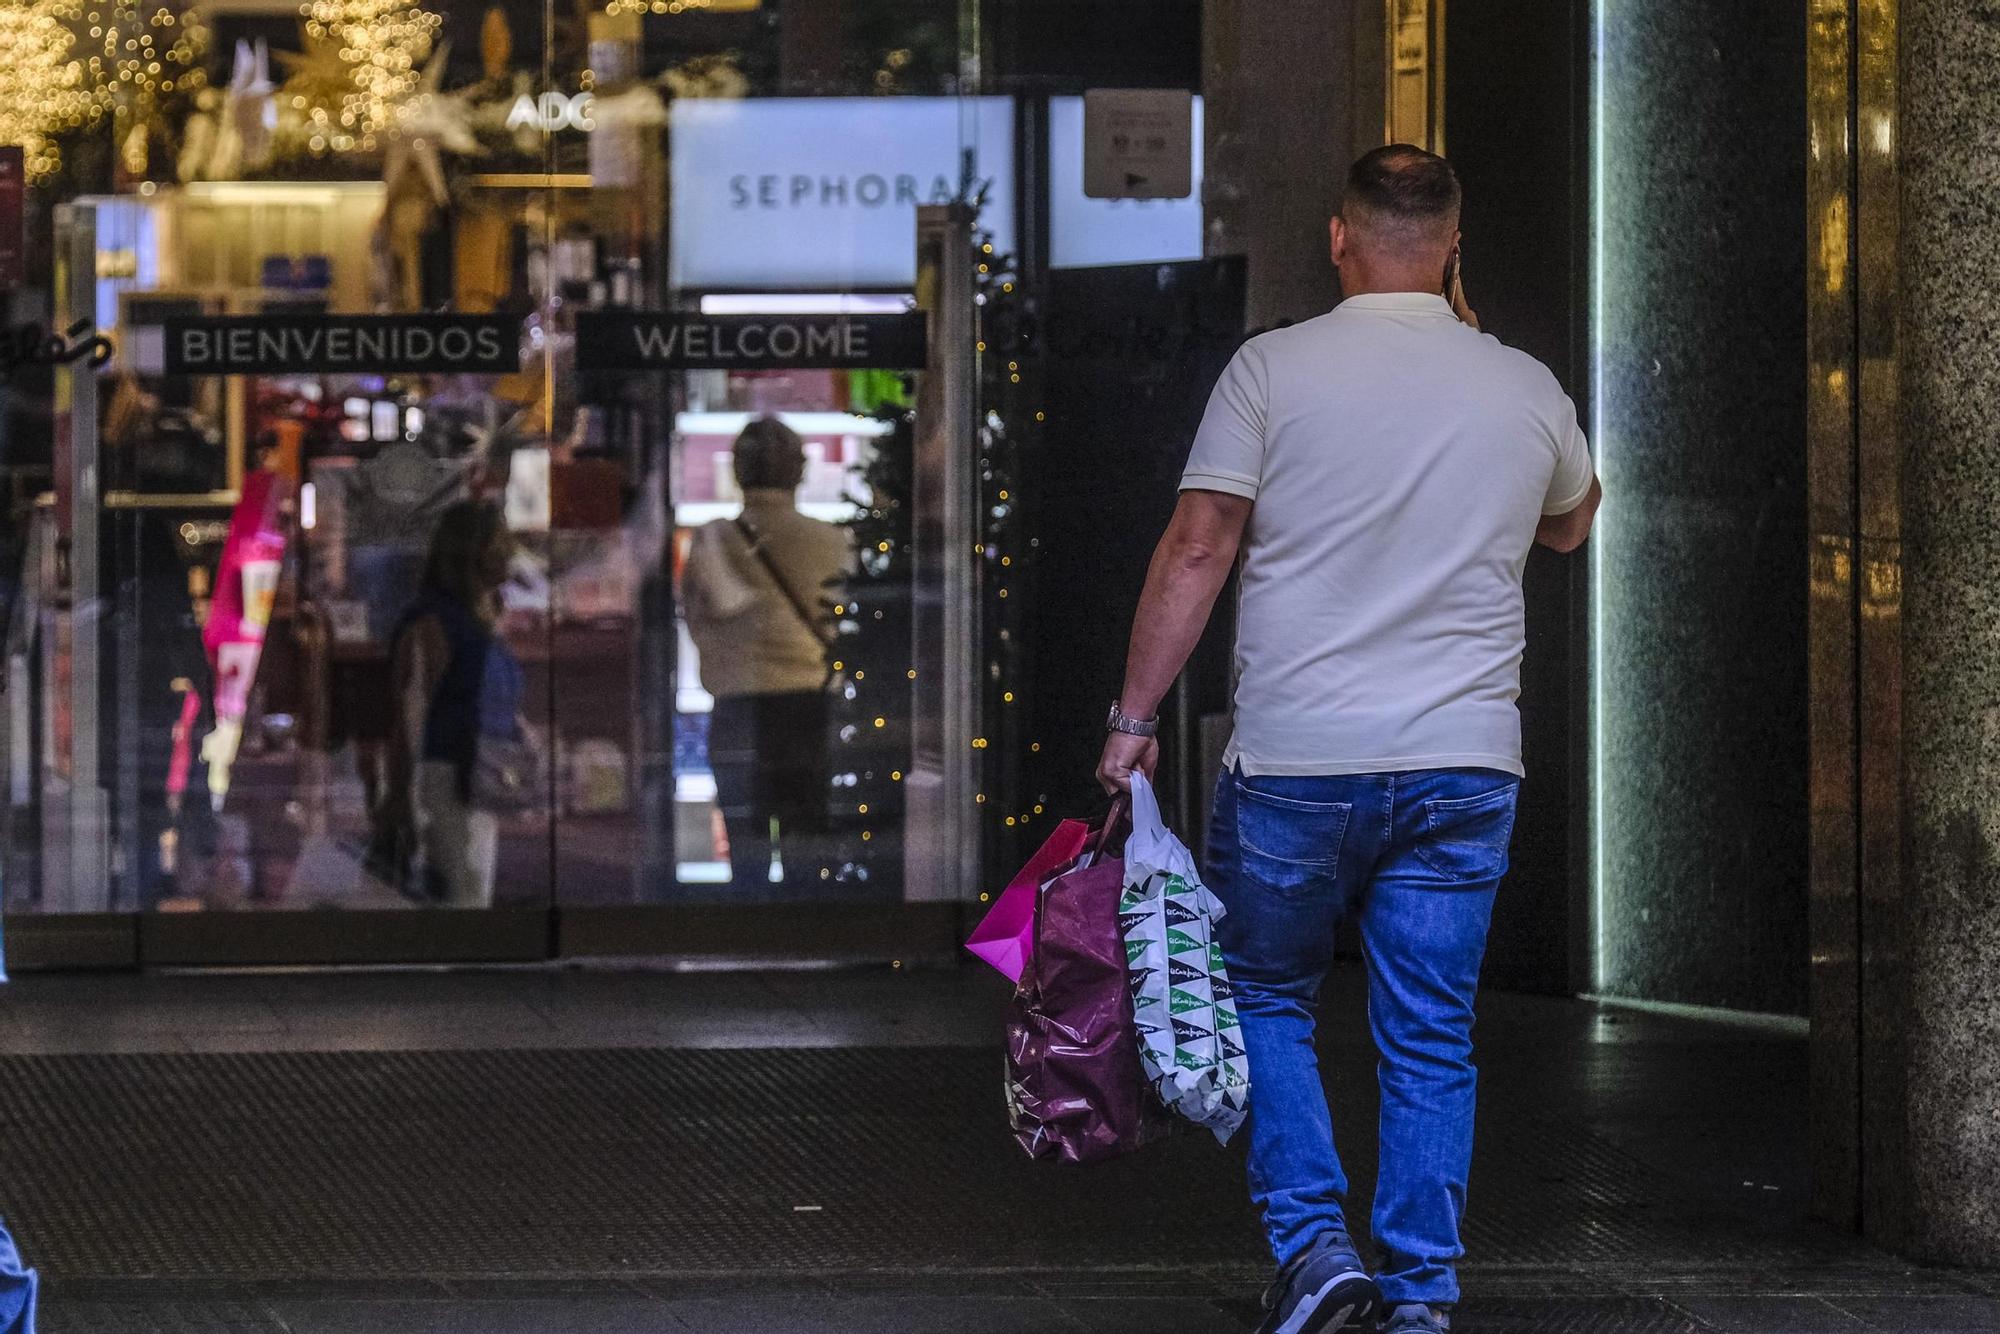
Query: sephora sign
[{"x": 802, "y": 194}]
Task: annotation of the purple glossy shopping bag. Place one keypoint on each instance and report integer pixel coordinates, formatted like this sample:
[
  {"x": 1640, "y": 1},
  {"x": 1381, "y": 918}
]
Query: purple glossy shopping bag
[
  {"x": 1075, "y": 1089},
  {"x": 1006, "y": 935}
]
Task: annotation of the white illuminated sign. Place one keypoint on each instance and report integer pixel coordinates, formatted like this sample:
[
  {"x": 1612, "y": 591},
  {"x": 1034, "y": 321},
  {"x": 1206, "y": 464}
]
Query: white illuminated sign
[
  {"x": 816, "y": 193},
  {"x": 552, "y": 112},
  {"x": 1085, "y": 231}
]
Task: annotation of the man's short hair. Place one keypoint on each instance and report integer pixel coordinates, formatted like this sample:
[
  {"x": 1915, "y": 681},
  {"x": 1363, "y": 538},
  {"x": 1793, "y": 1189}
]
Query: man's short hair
[{"x": 1408, "y": 195}]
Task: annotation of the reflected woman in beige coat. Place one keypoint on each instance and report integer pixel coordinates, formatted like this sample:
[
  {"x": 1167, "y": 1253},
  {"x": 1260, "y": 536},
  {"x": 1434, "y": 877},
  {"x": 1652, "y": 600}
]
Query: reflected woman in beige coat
[{"x": 758, "y": 592}]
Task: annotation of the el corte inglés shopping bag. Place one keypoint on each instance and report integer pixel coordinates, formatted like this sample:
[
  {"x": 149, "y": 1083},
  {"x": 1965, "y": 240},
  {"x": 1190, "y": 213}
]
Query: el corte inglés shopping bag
[{"x": 1191, "y": 1042}]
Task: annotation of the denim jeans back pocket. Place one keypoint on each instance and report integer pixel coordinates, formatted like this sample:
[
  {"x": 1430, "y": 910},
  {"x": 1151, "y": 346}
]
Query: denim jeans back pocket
[
  {"x": 1465, "y": 839},
  {"x": 1287, "y": 844}
]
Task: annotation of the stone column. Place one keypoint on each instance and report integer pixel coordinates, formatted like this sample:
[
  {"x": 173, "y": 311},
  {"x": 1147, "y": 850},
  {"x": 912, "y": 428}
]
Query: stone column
[
  {"x": 1294, "y": 93},
  {"x": 1950, "y": 425}
]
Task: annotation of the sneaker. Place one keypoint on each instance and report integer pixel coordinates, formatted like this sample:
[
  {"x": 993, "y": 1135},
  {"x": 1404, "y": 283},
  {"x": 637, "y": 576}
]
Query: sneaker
[
  {"x": 1321, "y": 1288},
  {"x": 1416, "y": 1318}
]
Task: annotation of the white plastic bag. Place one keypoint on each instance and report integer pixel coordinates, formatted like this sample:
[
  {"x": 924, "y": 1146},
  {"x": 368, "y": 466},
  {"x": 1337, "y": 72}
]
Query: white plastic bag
[{"x": 1190, "y": 1040}]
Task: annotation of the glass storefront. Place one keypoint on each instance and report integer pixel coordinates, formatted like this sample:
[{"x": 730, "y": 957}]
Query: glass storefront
[{"x": 501, "y": 459}]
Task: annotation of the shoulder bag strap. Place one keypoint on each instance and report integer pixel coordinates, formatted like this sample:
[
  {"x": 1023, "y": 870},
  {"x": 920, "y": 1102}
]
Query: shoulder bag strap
[{"x": 811, "y": 622}]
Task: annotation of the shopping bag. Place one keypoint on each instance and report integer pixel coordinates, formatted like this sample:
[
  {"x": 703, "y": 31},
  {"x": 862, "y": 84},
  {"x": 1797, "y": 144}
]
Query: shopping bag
[
  {"x": 1006, "y": 934},
  {"x": 1075, "y": 1089},
  {"x": 1191, "y": 1041}
]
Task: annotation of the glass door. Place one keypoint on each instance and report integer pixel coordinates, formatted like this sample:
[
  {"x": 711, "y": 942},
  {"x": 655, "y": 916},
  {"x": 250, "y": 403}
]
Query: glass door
[
  {"x": 353, "y": 612},
  {"x": 735, "y": 745},
  {"x": 290, "y": 626},
  {"x": 786, "y": 497}
]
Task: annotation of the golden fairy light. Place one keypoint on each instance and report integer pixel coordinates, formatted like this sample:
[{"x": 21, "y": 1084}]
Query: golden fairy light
[
  {"x": 311, "y": 99},
  {"x": 45, "y": 88},
  {"x": 383, "y": 44},
  {"x": 616, "y": 7},
  {"x": 144, "y": 51}
]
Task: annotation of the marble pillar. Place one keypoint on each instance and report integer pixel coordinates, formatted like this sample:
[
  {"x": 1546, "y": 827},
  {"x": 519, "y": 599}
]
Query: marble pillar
[
  {"x": 1854, "y": 599},
  {"x": 1950, "y": 425},
  {"x": 1699, "y": 554}
]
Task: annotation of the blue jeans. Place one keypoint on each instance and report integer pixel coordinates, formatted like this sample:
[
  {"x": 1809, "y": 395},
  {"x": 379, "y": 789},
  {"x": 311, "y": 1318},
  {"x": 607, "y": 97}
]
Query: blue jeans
[{"x": 1418, "y": 856}]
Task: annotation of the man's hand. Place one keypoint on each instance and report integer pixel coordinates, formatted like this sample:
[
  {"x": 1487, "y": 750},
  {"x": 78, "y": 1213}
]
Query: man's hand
[
  {"x": 1122, "y": 755},
  {"x": 1457, "y": 294}
]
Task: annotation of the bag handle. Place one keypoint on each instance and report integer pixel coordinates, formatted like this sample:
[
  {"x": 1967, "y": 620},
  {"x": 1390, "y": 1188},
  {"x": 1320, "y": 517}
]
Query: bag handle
[
  {"x": 1145, "y": 805},
  {"x": 755, "y": 541},
  {"x": 1119, "y": 814}
]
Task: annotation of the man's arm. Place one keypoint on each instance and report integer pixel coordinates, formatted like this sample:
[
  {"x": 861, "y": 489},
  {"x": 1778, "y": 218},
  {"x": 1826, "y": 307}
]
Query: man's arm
[
  {"x": 1189, "y": 568},
  {"x": 1566, "y": 532}
]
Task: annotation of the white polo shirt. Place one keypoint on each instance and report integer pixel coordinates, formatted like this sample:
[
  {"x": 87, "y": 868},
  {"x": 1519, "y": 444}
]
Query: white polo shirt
[{"x": 1399, "y": 461}]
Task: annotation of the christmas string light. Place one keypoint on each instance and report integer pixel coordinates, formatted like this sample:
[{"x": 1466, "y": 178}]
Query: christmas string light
[
  {"x": 147, "y": 53},
  {"x": 148, "y": 49},
  {"x": 617, "y": 7},
  {"x": 875, "y": 713},
  {"x": 1007, "y": 350},
  {"x": 44, "y": 88},
  {"x": 873, "y": 646},
  {"x": 311, "y": 99},
  {"x": 383, "y": 44}
]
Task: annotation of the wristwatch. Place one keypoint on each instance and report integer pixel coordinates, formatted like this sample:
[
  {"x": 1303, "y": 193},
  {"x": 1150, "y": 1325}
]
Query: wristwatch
[{"x": 1118, "y": 722}]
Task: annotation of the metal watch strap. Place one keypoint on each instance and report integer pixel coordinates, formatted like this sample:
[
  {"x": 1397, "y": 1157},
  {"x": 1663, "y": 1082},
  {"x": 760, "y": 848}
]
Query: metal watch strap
[{"x": 1118, "y": 722}]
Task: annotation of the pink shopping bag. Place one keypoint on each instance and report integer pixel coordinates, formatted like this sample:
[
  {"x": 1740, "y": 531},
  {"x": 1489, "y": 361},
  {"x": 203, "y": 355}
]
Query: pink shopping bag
[{"x": 1006, "y": 935}]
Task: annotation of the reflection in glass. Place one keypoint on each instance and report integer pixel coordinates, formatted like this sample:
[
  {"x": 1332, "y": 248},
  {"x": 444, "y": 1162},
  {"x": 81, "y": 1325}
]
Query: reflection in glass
[
  {"x": 290, "y": 673},
  {"x": 462, "y": 754},
  {"x": 785, "y": 453},
  {"x": 756, "y": 592}
]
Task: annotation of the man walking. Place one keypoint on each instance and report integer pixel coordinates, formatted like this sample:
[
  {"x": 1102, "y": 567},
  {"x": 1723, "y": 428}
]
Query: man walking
[{"x": 1384, "y": 470}]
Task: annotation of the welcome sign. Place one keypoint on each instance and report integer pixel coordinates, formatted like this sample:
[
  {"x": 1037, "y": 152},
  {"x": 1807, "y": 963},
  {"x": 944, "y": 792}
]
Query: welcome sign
[
  {"x": 814, "y": 193},
  {"x": 672, "y": 341},
  {"x": 316, "y": 344}
]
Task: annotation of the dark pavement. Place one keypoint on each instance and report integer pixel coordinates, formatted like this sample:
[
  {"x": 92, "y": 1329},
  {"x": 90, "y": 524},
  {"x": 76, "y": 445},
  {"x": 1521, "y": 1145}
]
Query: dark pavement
[{"x": 611, "y": 1150}]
